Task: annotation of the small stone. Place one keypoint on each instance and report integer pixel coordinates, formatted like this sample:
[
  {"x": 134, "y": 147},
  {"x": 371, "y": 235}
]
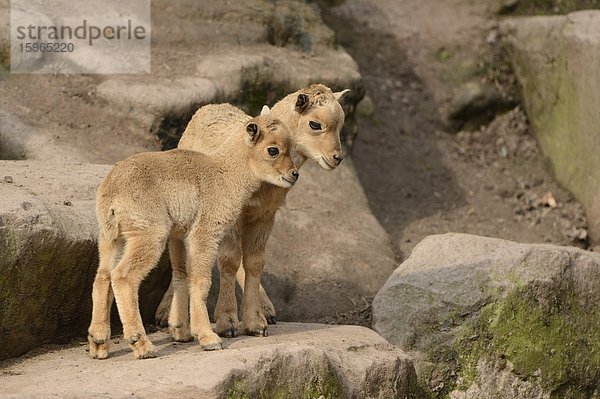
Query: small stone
[
  {"x": 474, "y": 103},
  {"x": 8, "y": 179},
  {"x": 505, "y": 6},
  {"x": 549, "y": 200},
  {"x": 365, "y": 107},
  {"x": 503, "y": 152},
  {"x": 67, "y": 203},
  {"x": 492, "y": 37}
]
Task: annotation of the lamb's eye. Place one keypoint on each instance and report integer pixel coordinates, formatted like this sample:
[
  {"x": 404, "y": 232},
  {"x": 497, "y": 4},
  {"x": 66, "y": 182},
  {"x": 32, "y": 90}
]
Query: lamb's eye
[
  {"x": 314, "y": 125},
  {"x": 273, "y": 151}
]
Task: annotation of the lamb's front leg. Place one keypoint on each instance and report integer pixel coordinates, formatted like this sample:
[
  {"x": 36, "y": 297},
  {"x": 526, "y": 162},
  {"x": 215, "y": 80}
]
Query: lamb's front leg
[
  {"x": 254, "y": 243},
  {"x": 265, "y": 302},
  {"x": 253, "y": 319},
  {"x": 226, "y": 311},
  {"x": 201, "y": 254}
]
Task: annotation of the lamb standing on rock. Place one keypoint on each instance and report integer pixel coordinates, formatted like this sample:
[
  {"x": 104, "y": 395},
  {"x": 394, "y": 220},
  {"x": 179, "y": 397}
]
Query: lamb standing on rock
[
  {"x": 180, "y": 195},
  {"x": 315, "y": 119}
]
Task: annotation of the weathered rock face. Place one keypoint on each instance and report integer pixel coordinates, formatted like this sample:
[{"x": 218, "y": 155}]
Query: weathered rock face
[
  {"x": 320, "y": 261},
  {"x": 556, "y": 60},
  {"x": 47, "y": 253},
  {"x": 490, "y": 318},
  {"x": 49, "y": 256},
  {"x": 250, "y": 54},
  {"x": 296, "y": 360}
]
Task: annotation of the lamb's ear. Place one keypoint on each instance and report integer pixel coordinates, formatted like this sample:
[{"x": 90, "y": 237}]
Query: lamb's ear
[
  {"x": 338, "y": 95},
  {"x": 301, "y": 103},
  {"x": 253, "y": 131},
  {"x": 265, "y": 111}
]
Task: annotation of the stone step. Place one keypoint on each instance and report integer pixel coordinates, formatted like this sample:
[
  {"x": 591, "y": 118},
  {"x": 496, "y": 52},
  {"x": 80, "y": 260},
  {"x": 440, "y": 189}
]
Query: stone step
[{"x": 296, "y": 360}]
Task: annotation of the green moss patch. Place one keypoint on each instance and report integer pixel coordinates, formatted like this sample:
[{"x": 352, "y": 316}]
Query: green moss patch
[
  {"x": 323, "y": 385},
  {"x": 546, "y": 331},
  {"x": 4, "y": 61},
  {"x": 551, "y": 7}
]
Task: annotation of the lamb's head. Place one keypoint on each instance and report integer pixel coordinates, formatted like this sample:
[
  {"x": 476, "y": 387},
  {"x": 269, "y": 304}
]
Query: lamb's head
[
  {"x": 272, "y": 151},
  {"x": 321, "y": 119}
]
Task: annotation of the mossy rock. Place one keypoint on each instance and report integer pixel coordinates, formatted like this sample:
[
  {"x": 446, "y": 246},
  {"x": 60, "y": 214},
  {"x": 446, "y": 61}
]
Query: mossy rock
[
  {"x": 555, "y": 60},
  {"x": 49, "y": 255},
  {"x": 544, "y": 7},
  {"x": 312, "y": 385},
  {"x": 547, "y": 332},
  {"x": 488, "y": 318}
]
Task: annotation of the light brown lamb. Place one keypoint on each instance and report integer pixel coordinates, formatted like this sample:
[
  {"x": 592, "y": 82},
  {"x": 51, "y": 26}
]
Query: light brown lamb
[
  {"x": 315, "y": 118},
  {"x": 183, "y": 196}
]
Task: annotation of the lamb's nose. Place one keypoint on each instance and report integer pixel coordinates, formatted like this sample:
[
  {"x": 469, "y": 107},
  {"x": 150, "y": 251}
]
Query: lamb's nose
[
  {"x": 338, "y": 158},
  {"x": 295, "y": 174}
]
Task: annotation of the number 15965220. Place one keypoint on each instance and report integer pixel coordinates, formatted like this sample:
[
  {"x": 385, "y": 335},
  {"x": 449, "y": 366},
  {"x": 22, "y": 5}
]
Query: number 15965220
[{"x": 46, "y": 47}]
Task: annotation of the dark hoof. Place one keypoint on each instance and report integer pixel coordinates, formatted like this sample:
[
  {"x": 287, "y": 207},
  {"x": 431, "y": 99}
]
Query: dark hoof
[
  {"x": 212, "y": 347},
  {"x": 96, "y": 340},
  {"x": 231, "y": 333},
  {"x": 161, "y": 322},
  {"x": 134, "y": 339},
  {"x": 258, "y": 333},
  {"x": 149, "y": 355}
]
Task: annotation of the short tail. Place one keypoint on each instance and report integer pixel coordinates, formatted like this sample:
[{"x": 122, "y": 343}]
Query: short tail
[{"x": 107, "y": 222}]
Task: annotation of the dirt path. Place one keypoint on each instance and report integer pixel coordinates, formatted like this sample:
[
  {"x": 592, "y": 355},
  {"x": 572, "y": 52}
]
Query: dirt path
[{"x": 419, "y": 178}]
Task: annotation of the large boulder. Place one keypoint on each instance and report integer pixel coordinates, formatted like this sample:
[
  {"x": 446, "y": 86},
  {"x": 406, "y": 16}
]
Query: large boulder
[
  {"x": 49, "y": 256},
  {"x": 555, "y": 59},
  {"x": 250, "y": 54},
  {"x": 488, "y": 318},
  {"x": 318, "y": 251},
  {"x": 210, "y": 51},
  {"x": 295, "y": 361}
]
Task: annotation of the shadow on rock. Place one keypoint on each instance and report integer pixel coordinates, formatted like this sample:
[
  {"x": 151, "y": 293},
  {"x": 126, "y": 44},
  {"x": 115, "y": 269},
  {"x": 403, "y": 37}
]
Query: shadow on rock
[{"x": 396, "y": 154}]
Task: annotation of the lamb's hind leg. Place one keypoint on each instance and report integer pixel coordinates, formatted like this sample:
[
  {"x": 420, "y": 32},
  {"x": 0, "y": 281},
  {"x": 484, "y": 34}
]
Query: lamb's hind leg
[
  {"x": 179, "y": 316},
  {"x": 102, "y": 298},
  {"x": 142, "y": 252},
  {"x": 226, "y": 311}
]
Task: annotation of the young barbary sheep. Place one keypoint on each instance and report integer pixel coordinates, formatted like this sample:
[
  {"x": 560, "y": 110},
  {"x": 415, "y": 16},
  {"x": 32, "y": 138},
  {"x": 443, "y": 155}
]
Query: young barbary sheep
[
  {"x": 315, "y": 118},
  {"x": 180, "y": 195}
]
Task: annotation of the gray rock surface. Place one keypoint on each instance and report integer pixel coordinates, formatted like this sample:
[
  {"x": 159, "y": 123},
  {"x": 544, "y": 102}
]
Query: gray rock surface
[
  {"x": 555, "y": 60},
  {"x": 504, "y": 6},
  {"x": 320, "y": 262},
  {"x": 48, "y": 254},
  {"x": 475, "y": 104},
  {"x": 277, "y": 49},
  {"x": 158, "y": 96},
  {"x": 27, "y": 141},
  {"x": 296, "y": 360},
  {"x": 482, "y": 314},
  {"x": 365, "y": 107},
  {"x": 250, "y": 54}
]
